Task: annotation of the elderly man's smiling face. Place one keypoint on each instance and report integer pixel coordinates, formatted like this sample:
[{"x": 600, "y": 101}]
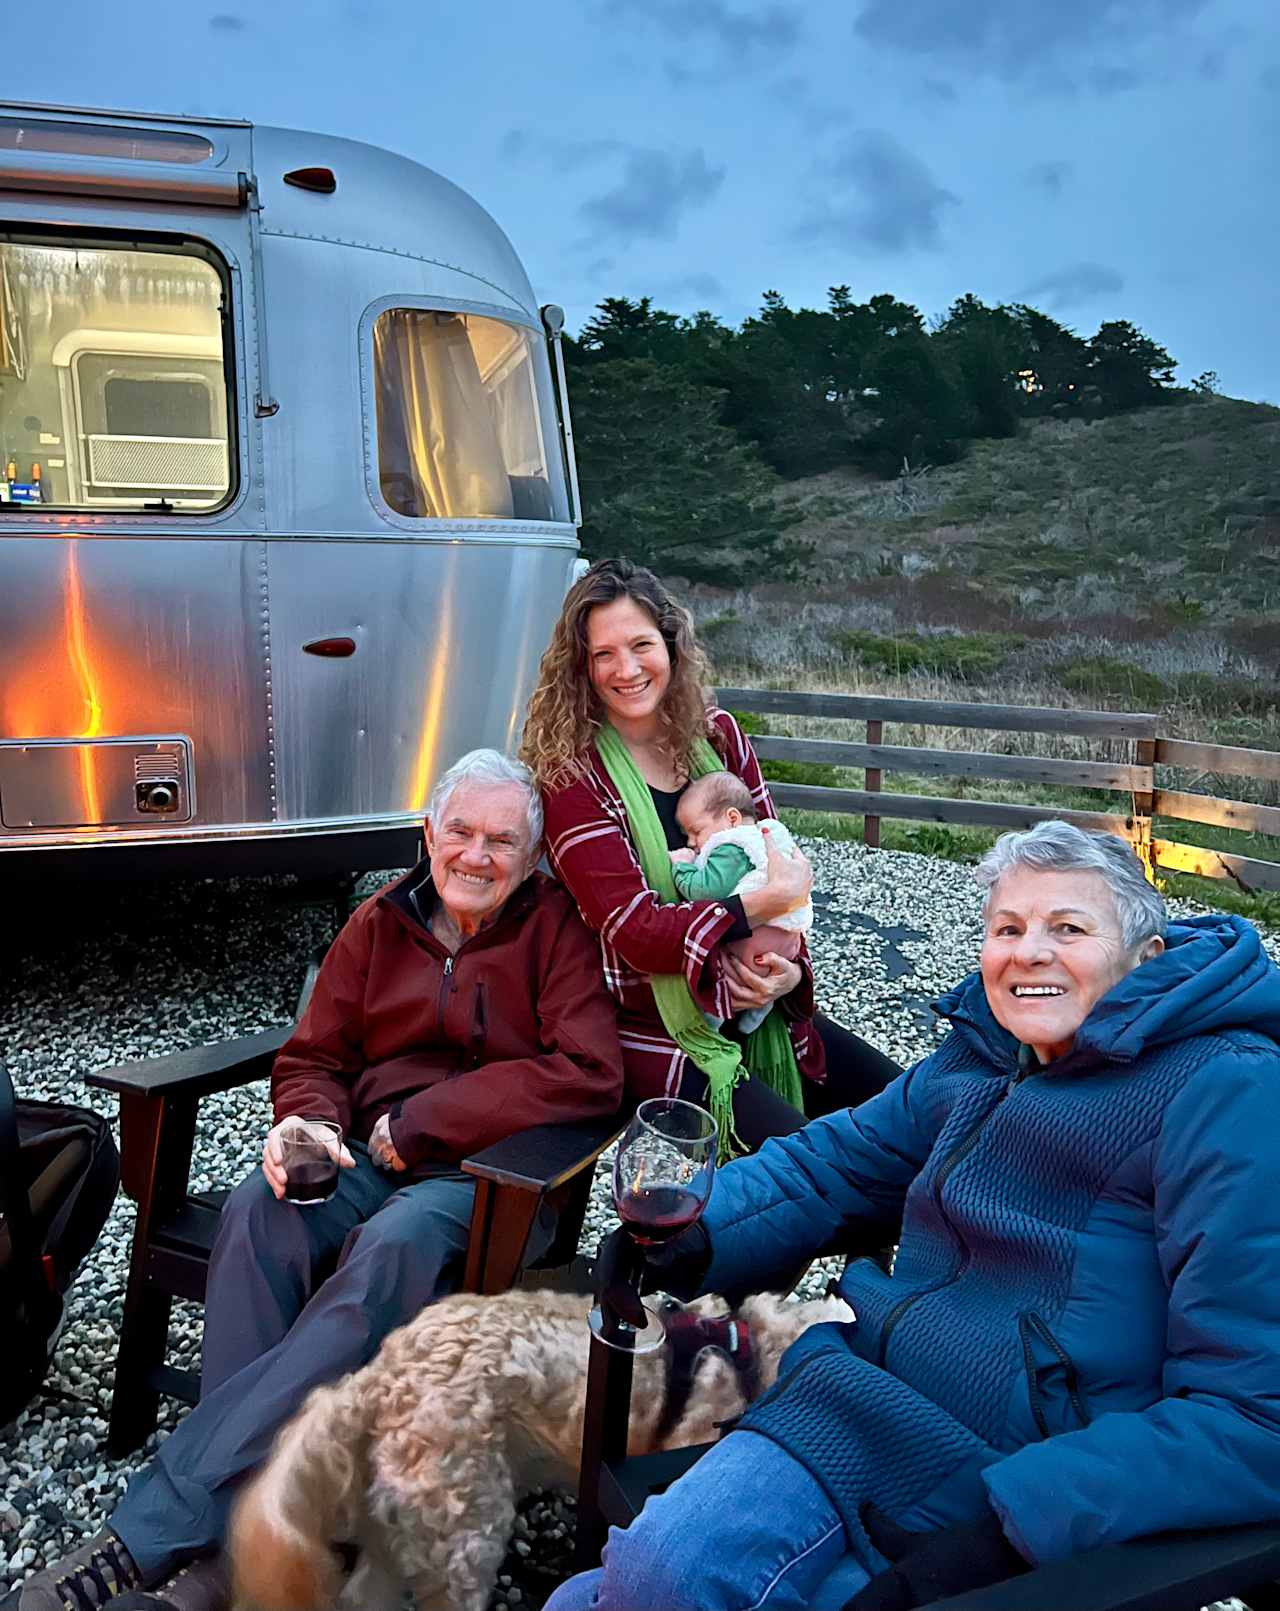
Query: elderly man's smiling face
[
  {"x": 480, "y": 851},
  {"x": 1053, "y": 949}
]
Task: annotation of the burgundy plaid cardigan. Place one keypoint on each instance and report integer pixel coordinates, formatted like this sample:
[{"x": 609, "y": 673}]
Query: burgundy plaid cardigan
[{"x": 590, "y": 848}]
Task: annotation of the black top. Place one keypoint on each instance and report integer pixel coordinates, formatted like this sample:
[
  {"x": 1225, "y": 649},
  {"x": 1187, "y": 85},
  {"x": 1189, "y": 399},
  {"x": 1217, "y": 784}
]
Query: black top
[{"x": 665, "y": 802}]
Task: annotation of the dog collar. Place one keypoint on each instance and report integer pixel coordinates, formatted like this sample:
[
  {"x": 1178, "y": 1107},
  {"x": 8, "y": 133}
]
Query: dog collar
[{"x": 688, "y": 1337}]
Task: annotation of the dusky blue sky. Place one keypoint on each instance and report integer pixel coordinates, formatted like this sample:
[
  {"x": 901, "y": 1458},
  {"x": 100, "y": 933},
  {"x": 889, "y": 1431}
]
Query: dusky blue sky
[{"x": 1098, "y": 158}]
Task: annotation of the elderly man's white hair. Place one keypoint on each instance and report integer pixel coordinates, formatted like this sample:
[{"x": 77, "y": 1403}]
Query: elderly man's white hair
[
  {"x": 489, "y": 766},
  {"x": 1061, "y": 847}
]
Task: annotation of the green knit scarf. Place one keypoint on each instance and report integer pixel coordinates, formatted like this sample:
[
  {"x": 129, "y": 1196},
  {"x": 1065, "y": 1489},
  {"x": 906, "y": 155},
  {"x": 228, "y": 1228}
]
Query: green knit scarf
[{"x": 769, "y": 1053}]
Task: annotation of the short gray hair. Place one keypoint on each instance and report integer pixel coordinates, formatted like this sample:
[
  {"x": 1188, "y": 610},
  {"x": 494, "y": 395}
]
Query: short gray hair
[
  {"x": 489, "y": 766},
  {"x": 1060, "y": 847}
]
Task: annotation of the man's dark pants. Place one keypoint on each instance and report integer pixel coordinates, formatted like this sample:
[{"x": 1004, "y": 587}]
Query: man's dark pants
[{"x": 297, "y": 1296}]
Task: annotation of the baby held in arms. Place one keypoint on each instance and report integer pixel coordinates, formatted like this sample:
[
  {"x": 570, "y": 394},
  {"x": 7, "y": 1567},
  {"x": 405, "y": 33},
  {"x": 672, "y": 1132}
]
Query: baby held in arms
[{"x": 727, "y": 856}]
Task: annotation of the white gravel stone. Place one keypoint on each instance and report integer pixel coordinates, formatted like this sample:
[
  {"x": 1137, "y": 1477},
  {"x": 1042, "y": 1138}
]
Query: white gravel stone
[{"x": 102, "y": 975}]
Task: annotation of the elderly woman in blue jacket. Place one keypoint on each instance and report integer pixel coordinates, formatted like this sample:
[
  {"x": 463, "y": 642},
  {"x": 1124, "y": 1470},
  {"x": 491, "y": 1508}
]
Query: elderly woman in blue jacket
[{"x": 1080, "y": 1339}]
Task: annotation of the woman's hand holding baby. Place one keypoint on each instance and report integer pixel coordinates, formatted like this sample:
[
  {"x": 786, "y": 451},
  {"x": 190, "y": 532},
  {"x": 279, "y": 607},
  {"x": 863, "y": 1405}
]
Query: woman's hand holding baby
[
  {"x": 790, "y": 879},
  {"x": 749, "y": 988}
]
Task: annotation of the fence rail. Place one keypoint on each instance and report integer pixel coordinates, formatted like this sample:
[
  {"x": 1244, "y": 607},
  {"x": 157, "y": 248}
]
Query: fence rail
[{"x": 1135, "y": 777}]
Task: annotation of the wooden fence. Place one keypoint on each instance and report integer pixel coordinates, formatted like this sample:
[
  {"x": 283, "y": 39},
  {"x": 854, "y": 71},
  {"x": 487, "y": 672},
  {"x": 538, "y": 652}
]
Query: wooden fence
[{"x": 1137, "y": 776}]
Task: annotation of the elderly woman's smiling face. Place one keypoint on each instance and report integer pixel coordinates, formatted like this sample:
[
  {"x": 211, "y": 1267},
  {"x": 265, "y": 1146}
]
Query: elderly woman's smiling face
[{"x": 1053, "y": 949}]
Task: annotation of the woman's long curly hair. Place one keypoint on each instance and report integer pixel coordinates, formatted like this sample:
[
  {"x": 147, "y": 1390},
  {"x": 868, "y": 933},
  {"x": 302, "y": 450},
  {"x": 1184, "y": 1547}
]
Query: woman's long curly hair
[{"x": 565, "y": 712}]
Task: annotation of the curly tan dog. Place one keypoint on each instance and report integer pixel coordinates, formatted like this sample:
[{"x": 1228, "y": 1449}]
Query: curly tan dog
[{"x": 422, "y": 1456}]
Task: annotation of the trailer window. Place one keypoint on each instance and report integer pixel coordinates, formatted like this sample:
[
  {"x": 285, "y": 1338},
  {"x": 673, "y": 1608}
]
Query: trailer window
[
  {"x": 113, "y": 379},
  {"x": 101, "y": 140},
  {"x": 463, "y": 406}
]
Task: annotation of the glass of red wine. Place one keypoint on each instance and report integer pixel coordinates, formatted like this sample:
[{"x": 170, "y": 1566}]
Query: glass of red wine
[
  {"x": 662, "y": 1174},
  {"x": 310, "y": 1151}
]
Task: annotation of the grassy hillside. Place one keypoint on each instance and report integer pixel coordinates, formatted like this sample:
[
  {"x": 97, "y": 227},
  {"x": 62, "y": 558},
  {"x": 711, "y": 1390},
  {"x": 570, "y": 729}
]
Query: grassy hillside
[
  {"x": 1133, "y": 563},
  {"x": 1168, "y": 515}
]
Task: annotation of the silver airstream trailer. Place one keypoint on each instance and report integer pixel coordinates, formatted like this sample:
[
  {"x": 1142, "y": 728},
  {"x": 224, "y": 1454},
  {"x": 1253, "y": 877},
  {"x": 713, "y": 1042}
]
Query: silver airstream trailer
[{"x": 287, "y": 505}]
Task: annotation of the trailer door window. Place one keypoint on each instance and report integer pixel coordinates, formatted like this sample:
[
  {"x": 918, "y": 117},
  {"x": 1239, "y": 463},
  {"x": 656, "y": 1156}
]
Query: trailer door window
[
  {"x": 463, "y": 406},
  {"x": 113, "y": 379}
]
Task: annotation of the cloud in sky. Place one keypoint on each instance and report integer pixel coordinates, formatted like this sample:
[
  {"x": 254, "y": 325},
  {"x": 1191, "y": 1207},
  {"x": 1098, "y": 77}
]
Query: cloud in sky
[
  {"x": 736, "y": 32},
  {"x": 655, "y": 190},
  {"x": 878, "y": 194},
  {"x": 1049, "y": 177},
  {"x": 1068, "y": 287},
  {"x": 1022, "y": 38},
  {"x": 226, "y": 22}
]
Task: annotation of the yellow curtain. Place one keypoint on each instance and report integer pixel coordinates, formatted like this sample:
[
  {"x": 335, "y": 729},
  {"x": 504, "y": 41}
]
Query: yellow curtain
[
  {"x": 438, "y": 448},
  {"x": 6, "y": 355}
]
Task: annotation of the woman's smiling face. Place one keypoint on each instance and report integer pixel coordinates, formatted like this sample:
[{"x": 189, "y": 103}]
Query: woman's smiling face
[
  {"x": 1053, "y": 949},
  {"x": 628, "y": 664}
]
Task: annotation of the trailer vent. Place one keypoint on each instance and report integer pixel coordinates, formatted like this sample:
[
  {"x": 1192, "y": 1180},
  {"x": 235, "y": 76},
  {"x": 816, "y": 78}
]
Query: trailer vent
[
  {"x": 174, "y": 463},
  {"x": 164, "y": 761}
]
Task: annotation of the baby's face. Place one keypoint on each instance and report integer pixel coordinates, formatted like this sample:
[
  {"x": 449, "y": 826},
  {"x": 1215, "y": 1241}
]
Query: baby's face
[{"x": 699, "y": 825}]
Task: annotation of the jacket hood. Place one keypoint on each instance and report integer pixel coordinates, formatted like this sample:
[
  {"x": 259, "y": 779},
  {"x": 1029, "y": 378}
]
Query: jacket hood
[{"x": 1213, "y": 975}]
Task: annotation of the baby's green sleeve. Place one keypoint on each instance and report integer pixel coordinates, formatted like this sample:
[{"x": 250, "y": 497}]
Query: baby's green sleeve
[{"x": 725, "y": 868}]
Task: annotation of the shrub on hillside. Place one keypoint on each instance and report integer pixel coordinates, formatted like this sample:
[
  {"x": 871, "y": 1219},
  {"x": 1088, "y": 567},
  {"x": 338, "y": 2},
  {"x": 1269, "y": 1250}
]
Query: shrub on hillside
[
  {"x": 1107, "y": 679},
  {"x": 966, "y": 656}
]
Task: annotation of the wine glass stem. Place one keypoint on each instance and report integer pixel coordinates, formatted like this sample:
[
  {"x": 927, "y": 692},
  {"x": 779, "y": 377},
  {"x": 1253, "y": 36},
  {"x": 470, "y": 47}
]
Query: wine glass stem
[{"x": 631, "y": 1268}]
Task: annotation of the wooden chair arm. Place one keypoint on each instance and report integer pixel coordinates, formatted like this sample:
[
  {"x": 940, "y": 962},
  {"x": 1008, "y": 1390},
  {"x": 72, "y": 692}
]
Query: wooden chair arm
[
  {"x": 198, "y": 1071},
  {"x": 545, "y": 1157},
  {"x": 513, "y": 1179},
  {"x": 1164, "y": 1572}
]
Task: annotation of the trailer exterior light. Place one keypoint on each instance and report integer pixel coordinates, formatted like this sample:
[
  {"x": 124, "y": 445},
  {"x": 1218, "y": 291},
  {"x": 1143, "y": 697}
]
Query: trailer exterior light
[{"x": 322, "y": 180}]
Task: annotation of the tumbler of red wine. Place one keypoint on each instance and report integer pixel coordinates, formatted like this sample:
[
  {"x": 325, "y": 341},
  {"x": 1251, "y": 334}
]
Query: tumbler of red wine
[
  {"x": 662, "y": 1174},
  {"x": 310, "y": 1150}
]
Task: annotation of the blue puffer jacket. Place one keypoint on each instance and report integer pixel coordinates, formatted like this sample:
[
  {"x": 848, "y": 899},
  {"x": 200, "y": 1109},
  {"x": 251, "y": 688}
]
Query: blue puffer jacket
[{"x": 1083, "y": 1321}]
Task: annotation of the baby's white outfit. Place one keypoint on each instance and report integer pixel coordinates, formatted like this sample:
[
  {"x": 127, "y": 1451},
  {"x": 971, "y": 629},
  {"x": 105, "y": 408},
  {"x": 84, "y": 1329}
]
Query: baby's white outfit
[{"x": 748, "y": 838}]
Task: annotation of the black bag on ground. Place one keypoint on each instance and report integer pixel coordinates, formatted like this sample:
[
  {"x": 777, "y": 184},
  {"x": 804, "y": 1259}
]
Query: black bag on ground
[{"x": 59, "y": 1170}]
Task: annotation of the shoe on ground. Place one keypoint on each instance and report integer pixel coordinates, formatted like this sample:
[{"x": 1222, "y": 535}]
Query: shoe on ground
[
  {"x": 203, "y": 1586},
  {"x": 90, "y": 1577}
]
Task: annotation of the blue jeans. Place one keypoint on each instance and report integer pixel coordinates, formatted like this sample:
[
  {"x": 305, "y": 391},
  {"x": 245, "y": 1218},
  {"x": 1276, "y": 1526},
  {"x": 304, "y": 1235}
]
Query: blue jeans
[
  {"x": 296, "y": 1297},
  {"x": 747, "y": 1527}
]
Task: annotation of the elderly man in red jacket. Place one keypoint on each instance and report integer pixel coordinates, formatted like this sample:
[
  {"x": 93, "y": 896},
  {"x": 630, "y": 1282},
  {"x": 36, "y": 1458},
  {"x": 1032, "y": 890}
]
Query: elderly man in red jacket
[{"x": 462, "y": 1004}]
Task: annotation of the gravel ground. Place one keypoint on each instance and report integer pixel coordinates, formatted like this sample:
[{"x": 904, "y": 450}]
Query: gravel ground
[{"x": 124, "y": 973}]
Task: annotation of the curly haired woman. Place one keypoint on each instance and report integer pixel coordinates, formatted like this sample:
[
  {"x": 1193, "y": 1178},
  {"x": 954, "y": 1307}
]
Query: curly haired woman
[{"x": 618, "y": 726}]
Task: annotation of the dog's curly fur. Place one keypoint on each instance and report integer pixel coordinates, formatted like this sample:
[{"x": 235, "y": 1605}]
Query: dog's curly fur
[{"x": 422, "y": 1456}]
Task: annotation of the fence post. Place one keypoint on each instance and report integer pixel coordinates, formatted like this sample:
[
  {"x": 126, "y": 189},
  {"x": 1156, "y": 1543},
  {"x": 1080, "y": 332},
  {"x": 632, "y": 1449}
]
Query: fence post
[
  {"x": 1144, "y": 754},
  {"x": 874, "y": 777}
]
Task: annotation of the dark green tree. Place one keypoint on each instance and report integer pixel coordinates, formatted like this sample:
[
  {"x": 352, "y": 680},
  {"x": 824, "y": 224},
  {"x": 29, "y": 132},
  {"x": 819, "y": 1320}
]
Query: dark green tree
[
  {"x": 778, "y": 390},
  {"x": 667, "y": 484},
  {"x": 1128, "y": 368},
  {"x": 621, "y": 328},
  {"x": 920, "y": 409},
  {"x": 982, "y": 345},
  {"x": 1053, "y": 362}
]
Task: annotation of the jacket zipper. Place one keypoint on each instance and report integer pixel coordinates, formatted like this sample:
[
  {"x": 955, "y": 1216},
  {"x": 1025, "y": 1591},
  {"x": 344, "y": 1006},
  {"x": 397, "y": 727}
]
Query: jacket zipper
[
  {"x": 479, "y": 1026},
  {"x": 446, "y": 985},
  {"x": 1028, "y": 1323},
  {"x": 955, "y": 1157}
]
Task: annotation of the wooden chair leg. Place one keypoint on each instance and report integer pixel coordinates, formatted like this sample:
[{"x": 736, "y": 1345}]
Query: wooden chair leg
[
  {"x": 605, "y": 1422},
  {"x": 501, "y": 1221},
  {"x": 144, "y": 1340},
  {"x": 156, "y": 1141}
]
